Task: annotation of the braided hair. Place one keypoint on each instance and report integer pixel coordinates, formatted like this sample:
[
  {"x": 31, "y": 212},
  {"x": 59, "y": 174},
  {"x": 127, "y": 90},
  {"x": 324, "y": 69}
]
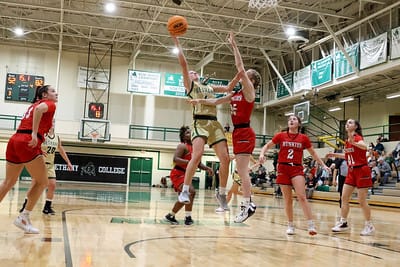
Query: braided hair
[{"x": 182, "y": 132}]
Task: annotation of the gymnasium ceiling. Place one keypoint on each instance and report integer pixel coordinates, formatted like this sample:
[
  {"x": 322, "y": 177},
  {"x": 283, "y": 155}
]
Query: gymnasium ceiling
[{"x": 139, "y": 28}]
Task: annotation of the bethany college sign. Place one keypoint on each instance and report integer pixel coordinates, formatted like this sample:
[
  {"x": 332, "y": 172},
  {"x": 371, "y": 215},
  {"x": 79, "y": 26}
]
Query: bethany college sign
[{"x": 92, "y": 168}]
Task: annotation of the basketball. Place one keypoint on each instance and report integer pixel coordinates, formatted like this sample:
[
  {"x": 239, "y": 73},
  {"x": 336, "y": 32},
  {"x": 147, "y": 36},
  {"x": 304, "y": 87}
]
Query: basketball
[{"x": 177, "y": 25}]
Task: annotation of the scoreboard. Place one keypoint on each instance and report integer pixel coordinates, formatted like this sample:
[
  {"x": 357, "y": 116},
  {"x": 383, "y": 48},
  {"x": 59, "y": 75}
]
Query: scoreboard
[{"x": 21, "y": 87}]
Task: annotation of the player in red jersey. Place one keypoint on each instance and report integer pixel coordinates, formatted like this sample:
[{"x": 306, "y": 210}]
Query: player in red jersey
[
  {"x": 243, "y": 136},
  {"x": 24, "y": 150},
  {"x": 182, "y": 156},
  {"x": 290, "y": 169},
  {"x": 358, "y": 176}
]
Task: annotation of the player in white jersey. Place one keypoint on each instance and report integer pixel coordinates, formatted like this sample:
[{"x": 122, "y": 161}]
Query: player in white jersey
[{"x": 51, "y": 144}]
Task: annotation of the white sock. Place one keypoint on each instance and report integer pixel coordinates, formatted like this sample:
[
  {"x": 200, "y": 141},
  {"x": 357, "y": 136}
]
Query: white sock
[
  {"x": 185, "y": 188},
  {"x": 222, "y": 190},
  {"x": 246, "y": 200},
  {"x": 188, "y": 213}
]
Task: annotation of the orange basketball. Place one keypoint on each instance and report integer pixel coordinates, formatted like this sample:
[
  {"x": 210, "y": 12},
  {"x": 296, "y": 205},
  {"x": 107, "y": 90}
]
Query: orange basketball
[{"x": 177, "y": 25}]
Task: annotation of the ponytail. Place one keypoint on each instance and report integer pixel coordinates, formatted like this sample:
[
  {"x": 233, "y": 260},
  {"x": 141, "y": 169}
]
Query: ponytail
[{"x": 40, "y": 90}]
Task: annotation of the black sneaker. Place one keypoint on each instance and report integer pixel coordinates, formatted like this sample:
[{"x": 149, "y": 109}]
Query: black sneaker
[
  {"x": 171, "y": 219},
  {"x": 49, "y": 211},
  {"x": 188, "y": 220},
  {"x": 340, "y": 227}
]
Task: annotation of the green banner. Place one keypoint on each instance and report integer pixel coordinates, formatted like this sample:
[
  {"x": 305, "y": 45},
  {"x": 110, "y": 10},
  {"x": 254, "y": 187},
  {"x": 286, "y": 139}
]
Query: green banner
[
  {"x": 342, "y": 65},
  {"x": 321, "y": 71},
  {"x": 173, "y": 84},
  {"x": 281, "y": 90}
]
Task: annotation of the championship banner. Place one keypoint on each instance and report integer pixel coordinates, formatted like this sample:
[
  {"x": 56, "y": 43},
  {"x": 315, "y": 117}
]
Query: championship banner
[
  {"x": 321, "y": 71},
  {"x": 144, "y": 82},
  {"x": 302, "y": 79},
  {"x": 173, "y": 85},
  {"x": 92, "y": 168},
  {"x": 395, "y": 43},
  {"x": 342, "y": 65},
  {"x": 281, "y": 90},
  {"x": 373, "y": 51}
]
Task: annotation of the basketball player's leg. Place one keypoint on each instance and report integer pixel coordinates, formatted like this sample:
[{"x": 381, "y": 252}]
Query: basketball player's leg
[
  {"x": 198, "y": 149},
  {"x": 38, "y": 172},
  {"x": 247, "y": 208},
  {"x": 12, "y": 173}
]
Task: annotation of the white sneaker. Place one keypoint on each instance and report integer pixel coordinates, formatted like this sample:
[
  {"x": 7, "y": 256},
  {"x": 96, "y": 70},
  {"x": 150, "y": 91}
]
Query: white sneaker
[
  {"x": 340, "y": 227},
  {"x": 184, "y": 197},
  {"x": 23, "y": 222},
  {"x": 311, "y": 229},
  {"x": 220, "y": 209},
  {"x": 369, "y": 229},
  {"x": 246, "y": 211},
  {"x": 290, "y": 230},
  {"x": 222, "y": 201}
]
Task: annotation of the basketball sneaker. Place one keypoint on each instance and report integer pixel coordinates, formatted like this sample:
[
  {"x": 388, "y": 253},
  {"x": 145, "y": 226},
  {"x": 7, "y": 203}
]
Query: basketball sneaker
[
  {"x": 23, "y": 222},
  {"x": 290, "y": 230},
  {"x": 184, "y": 197},
  {"x": 48, "y": 211},
  {"x": 311, "y": 228},
  {"x": 188, "y": 220},
  {"x": 171, "y": 218},
  {"x": 246, "y": 210},
  {"x": 222, "y": 201},
  {"x": 369, "y": 229},
  {"x": 341, "y": 226}
]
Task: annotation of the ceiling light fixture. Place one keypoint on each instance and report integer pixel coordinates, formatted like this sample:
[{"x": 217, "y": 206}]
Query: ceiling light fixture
[
  {"x": 346, "y": 99},
  {"x": 393, "y": 95},
  {"x": 290, "y": 31},
  {"x": 19, "y": 31},
  {"x": 289, "y": 113},
  {"x": 110, "y": 7},
  {"x": 175, "y": 50},
  {"x": 332, "y": 109}
]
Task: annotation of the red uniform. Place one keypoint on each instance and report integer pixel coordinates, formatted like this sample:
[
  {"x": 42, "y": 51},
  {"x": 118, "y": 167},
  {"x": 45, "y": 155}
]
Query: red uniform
[
  {"x": 18, "y": 150},
  {"x": 359, "y": 173},
  {"x": 243, "y": 137},
  {"x": 177, "y": 174},
  {"x": 290, "y": 157}
]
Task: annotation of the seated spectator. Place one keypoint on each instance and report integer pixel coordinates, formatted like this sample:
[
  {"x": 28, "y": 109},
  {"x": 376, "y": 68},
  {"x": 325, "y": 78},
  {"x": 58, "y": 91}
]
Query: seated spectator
[
  {"x": 379, "y": 148},
  {"x": 375, "y": 174},
  {"x": 311, "y": 184},
  {"x": 385, "y": 170},
  {"x": 396, "y": 155}
]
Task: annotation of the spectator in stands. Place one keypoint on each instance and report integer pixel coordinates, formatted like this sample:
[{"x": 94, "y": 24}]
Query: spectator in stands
[
  {"x": 385, "y": 170},
  {"x": 379, "y": 148},
  {"x": 311, "y": 184},
  {"x": 375, "y": 174},
  {"x": 358, "y": 176}
]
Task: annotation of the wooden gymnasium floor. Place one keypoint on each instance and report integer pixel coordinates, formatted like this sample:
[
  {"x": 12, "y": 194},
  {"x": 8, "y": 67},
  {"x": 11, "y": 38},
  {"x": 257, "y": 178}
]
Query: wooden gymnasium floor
[{"x": 112, "y": 226}]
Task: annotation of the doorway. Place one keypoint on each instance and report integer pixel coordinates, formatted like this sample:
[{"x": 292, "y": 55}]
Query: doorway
[
  {"x": 212, "y": 182},
  {"x": 140, "y": 171},
  {"x": 394, "y": 128}
]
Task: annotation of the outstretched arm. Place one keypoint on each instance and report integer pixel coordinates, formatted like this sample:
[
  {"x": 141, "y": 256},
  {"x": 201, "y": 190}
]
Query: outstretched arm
[
  {"x": 211, "y": 101},
  {"x": 248, "y": 88},
  {"x": 182, "y": 61},
  {"x": 230, "y": 86},
  {"x": 318, "y": 159},
  {"x": 267, "y": 146}
]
